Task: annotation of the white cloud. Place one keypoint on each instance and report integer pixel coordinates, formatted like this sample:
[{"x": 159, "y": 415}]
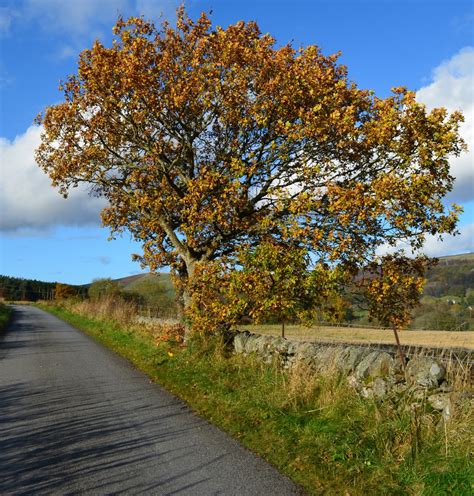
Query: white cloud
[
  {"x": 434, "y": 247},
  {"x": 453, "y": 87},
  {"x": 79, "y": 18},
  {"x": 451, "y": 245},
  {"x": 73, "y": 16},
  {"x": 27, "y": 200}
]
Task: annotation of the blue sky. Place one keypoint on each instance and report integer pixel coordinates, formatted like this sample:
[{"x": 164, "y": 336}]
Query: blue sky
[{"x": 426, "y": 45}]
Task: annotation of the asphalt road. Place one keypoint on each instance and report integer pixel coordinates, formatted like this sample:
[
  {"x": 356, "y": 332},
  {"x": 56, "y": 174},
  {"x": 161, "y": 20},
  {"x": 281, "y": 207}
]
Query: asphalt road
[{"x": 77, "y": 419}]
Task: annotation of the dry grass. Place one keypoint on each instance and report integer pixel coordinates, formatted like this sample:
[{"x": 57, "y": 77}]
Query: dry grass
[
  {"x": 442, "y": 339},
  {"x": 108, "y": 308},
  {"x": 125, "y": 314},
  {"x": 301, "y": 385}
]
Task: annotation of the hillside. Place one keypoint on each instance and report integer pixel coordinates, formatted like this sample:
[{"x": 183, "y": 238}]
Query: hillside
[
  {"x": 131, "y": 282},
  {"x": 447, "y": 302},
  {"x": 448, "y": 296},
  {"x": 464, "y": 257},
  {"x": 453, "y": 276},
  {"x": 154, "y": 293}
]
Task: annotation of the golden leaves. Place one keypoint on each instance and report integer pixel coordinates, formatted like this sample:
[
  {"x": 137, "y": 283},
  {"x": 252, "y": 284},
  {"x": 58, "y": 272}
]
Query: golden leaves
[
  {"x": 393, "y": 286},
  {"x": 207, "y": 141}
]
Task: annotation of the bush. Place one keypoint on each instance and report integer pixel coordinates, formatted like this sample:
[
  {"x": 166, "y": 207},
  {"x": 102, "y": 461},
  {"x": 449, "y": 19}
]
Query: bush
[
  {"x": 104, "y": 288},
  {"x": 5, "y": 314}
]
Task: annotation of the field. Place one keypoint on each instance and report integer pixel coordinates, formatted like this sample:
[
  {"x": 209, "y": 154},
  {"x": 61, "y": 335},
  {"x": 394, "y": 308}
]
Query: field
[{"x": 441, "y": 339}]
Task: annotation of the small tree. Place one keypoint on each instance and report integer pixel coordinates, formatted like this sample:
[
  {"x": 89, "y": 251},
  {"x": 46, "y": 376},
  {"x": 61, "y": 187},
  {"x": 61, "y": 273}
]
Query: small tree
[
  {"x": 207, "y": 142},
  {"x": 393, "y": 286},
  {"x": 101, "y": 288},
  {"x": 272, "y": 280}
]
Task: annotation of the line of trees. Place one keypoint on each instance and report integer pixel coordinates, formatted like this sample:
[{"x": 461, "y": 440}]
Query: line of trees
[{"x": 20, "y": 289}]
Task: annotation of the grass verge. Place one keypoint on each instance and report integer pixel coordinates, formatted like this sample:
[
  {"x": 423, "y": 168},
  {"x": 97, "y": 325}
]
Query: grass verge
[
  {"x": 314, "y": 429},
  {"x": 5, "y": 314}
]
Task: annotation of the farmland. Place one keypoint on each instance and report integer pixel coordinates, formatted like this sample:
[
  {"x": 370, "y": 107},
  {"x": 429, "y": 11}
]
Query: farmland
[{"x": 364, "y": 335}]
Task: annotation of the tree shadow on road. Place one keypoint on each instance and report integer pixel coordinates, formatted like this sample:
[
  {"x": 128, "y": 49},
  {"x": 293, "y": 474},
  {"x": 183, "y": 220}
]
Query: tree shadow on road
[{"x": 46, "y": 449}]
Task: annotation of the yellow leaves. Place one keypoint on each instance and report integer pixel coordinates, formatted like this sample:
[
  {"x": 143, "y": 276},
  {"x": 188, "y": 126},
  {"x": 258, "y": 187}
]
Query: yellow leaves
[
  {"x": 203, "y": 140},
  {"x": 394, "y": 288},
  {"x": 271, "y": 279}
]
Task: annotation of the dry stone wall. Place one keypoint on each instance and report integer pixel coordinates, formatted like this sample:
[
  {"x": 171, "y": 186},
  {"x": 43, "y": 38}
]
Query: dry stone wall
[{"x": 373, "y": 373}]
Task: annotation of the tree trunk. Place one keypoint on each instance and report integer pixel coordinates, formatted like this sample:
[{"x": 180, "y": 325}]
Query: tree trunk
[
  {"x": 400, "y": 351},
  {"x": 190, "y": 266},
  {"x": 185, "y": 273}
]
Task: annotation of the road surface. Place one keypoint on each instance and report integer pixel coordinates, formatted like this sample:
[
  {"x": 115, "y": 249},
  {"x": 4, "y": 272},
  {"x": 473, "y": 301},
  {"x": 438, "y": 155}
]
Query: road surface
[{"x": 77, "y": 419}]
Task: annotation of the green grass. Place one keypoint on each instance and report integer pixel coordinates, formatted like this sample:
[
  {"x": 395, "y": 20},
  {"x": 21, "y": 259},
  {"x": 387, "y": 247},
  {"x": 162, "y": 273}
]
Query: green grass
[
  {"x": 313, "y": 429},
  {"x": 5, "y": 314}
]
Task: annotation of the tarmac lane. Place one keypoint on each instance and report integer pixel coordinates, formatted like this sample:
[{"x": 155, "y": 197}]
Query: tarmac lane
[{"x": 75, "y": 418}]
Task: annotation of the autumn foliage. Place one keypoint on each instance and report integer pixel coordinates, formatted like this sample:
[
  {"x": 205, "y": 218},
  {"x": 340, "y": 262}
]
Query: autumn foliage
[
  {"x": 260, "y": 173},
  {"x": 62, "y": 291},
  {"x": 273, "y": 281}
]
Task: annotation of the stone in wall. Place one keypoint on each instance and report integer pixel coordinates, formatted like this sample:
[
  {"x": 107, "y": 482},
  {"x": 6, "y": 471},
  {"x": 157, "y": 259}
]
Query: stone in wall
[
  {"x": 375, "y": 364},
  {"x": 349, "y": 358},
  {"x": 425, "y": 371},
  {"x": 240, "y": 340}
]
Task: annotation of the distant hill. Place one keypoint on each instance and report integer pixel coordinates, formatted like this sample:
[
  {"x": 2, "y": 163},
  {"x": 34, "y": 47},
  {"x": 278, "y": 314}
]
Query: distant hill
[
  {"x": 131, "y": 282},
  {"x": 124, "y": 281},
  {"x": 453, "y": 276},
  {"x": 450, "y": 259},
  {"x": 451, "y": 283},
  {"x": 154, "y": 292}
]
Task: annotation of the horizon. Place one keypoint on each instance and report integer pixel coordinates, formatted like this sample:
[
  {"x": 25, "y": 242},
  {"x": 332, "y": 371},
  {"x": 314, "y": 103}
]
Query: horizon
[{"x": 161, "y": 272}]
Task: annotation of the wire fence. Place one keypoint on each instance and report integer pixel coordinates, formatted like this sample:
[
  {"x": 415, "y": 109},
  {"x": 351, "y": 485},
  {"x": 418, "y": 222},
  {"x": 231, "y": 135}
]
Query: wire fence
[
  {"x": 438, "y": 326},
  {"x": 151, "y": 312}
]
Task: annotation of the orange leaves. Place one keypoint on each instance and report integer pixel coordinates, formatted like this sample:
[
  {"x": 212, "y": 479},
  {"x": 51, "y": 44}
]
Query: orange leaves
[
  {"x": 207, "y": 141},
  {"x": 169, "y": 333},
  {"x": 62, "y": 291}
]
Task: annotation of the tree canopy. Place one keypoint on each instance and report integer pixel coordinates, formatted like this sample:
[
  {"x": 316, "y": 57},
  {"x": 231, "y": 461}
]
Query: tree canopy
[{"x": 208, "y": 142}]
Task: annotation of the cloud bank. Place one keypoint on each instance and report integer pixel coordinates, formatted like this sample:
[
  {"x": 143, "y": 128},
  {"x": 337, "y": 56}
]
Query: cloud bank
[
  {"x": 27, "y": 200},
  {"x": 452, "y": 245},
  {"x": 453, "y": 87}
]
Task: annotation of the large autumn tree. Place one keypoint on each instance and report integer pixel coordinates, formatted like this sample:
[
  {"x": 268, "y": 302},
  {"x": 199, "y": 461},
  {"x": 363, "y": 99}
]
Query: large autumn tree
[{"x": 209, "y": 142}]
